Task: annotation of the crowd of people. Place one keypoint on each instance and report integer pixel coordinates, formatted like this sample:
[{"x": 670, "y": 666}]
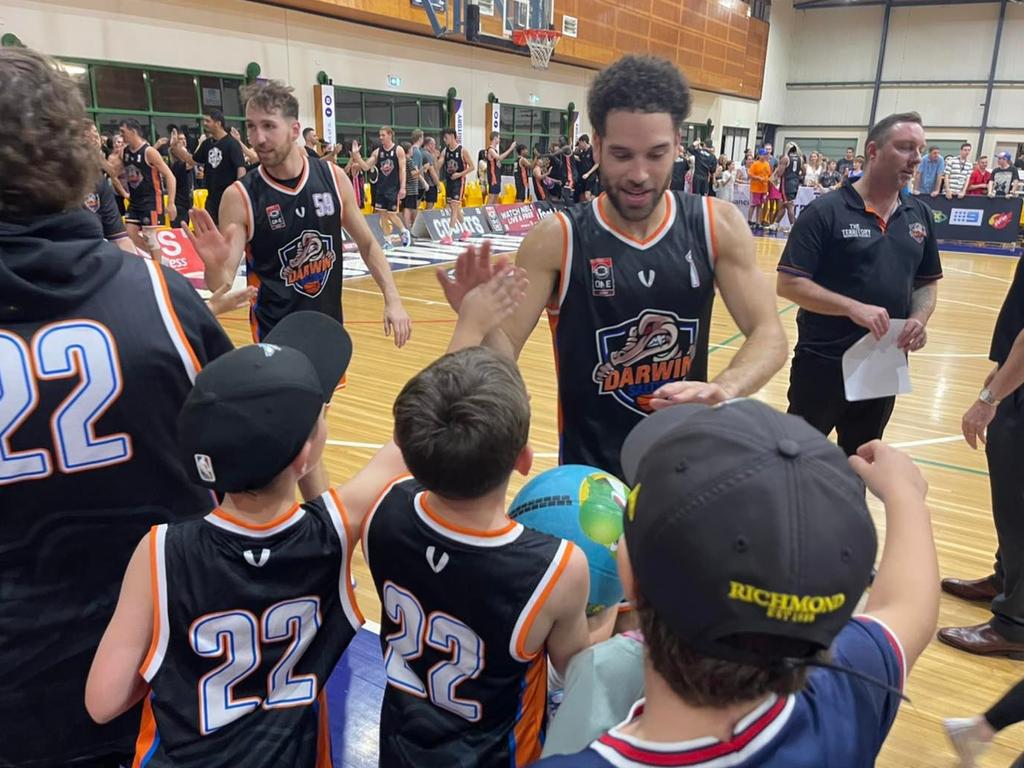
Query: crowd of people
[{"x": 165, "y": 593}]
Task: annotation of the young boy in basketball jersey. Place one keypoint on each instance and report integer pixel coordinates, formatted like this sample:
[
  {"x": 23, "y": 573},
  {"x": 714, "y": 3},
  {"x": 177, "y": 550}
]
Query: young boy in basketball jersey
[
  {"x": 494, "y": 159},
  {"x": 455, "y": 165},
  {"x": 759, "y": 662},
  {"x": 144, "y": 168}
]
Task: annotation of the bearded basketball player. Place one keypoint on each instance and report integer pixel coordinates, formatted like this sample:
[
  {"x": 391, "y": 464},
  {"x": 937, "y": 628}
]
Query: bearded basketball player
[
  {"x": 287, "y": 218},
  {"x": 628, "y": 280}
]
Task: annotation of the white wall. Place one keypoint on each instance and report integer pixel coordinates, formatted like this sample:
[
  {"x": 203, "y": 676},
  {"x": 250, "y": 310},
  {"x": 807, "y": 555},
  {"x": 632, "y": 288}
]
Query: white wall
[{"x": 225, "y": 35}]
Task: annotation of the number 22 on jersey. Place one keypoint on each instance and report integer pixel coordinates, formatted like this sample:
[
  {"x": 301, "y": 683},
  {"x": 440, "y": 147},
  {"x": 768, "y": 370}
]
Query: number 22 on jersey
[
  {"x": 81, "y": 348},
  {"x": 442, "y": 632}
]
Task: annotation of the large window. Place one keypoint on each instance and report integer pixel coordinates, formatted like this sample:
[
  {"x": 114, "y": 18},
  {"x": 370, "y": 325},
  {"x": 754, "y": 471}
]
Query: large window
[
  {"x": 360, "y": 115},
  {"x": 735, "y": 141},
  {"x": 533, "y": 126},
  {"x": 833, "y": 149},
  {"x": 155, "y": 97}
]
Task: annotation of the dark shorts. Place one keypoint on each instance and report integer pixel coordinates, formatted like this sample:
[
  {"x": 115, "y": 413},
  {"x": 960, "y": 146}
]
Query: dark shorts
[
  {"x": 453, "y": 191},
  {"x": 386, "y": 201},
  {"x": 410, "y": 202},
  {"x": 494, "y": 189},
  {"x": 430, "y": 196},
  {"x": 790, "y": 191},
  {"x": 145, "y": 215}
]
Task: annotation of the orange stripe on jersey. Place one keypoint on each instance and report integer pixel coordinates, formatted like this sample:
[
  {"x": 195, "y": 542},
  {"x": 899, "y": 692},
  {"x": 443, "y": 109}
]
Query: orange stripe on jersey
[
  {"x": 563, "y": 274},
  {"x": 158, "y": 190},
  {"x": 460, "y": 529},
  {"x": 253, "y": 281},
  {"x": 282, "y": 518},
  {"x": 323, "y": 736},
  {"x": 147, "y": 734},
  {"x": 541, "y": 602},
  {"x": 174, "y": 317},
  {"x": 380, "y": 497},
  {"x": 349, "y": 547},
  {"x": 532, "y": 704},
  {"x": 154, "y": 586},
  {"x": 711, "y": 227},
  {"x": 553, "y": 324},
  {"x": 653, "y": 236}
]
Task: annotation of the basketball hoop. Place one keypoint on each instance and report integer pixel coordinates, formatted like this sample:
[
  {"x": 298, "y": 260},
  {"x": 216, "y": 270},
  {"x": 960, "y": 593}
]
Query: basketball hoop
[{"x": 541, "y": 43}]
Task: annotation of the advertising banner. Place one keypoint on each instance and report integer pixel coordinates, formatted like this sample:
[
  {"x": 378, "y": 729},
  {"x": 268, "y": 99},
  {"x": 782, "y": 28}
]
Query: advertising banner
[{"x": 976, "y": 218}]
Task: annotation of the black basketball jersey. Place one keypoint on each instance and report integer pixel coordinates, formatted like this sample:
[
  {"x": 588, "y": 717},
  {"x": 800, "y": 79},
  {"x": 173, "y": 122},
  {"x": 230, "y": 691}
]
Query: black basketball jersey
[
  {"x": 540, "y": 193},
  {"x": 522, "y": 181},
  {"x": 629, "y": 317},
  {"x": 98, "y": 350},
  {"x": 294, "y": 255},
  {"x": 493, "y": 175},
  {"x": 144, "y": 183},
  {"x": 453, "y": 163},
  {"x": 457, "y": 605},
  {"x": 252, "y": 621},
  {"x": 791, "y": 176},
  {"x": 387, "y": 166}
]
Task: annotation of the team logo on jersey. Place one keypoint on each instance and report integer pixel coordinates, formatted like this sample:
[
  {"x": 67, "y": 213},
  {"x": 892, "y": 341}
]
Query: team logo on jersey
[
  {"x": 387, "y": 165},
  {"x": 640, "y": 355},
  {"x": 855, "y": 231},
  {"x": 646, "y": 277},
  {"x": 275, "y": 217},
  {"x": 215, "y": 157},
  {"x": 133, "y": 175},
  {"x": 918, "y": 232},
  {"x": 307, "y": 261},
  {"x": 256, "y": 560},
  {"x": 436, "y": 564},
  {"x": 602, "y": 278},
  {"x": 92, "y": 202}
]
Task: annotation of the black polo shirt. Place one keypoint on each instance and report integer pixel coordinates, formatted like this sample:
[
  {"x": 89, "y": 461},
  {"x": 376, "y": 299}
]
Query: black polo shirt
[
  {"x": 848, "y": 249},
  {"x": 1011, "y": 318},
  {"x": 312, "y": 153}
]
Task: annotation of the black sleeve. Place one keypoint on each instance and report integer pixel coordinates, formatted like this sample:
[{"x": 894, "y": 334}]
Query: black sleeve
[
  {"x": 110, "y": 213},
  {"x": 202, "y": 153},
  {"x": 805, "y": 243},
  {"x": 930, "y": 268},
  {"x": 236, "y": 157},
  {"x": 204, "y": 333}
]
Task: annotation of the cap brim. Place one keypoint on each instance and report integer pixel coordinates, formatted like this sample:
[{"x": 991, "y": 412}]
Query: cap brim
[
  {"x": 320, "y": 338},
  {"x": 650, "y": 431}
]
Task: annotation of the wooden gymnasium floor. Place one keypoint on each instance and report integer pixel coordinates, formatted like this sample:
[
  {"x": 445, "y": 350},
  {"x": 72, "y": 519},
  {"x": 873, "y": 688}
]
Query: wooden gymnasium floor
[{"x": 947, "y": 375}]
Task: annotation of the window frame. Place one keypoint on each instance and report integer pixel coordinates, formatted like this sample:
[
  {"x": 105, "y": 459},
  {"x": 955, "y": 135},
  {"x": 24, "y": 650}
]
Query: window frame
[{"x": 367, "y": 131}]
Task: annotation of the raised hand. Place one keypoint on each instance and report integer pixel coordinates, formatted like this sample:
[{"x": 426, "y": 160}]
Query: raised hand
[
  {"x": 213, "y": 248},
  {"x": 226, "y": 298},
  {"x": 472, "y": 268},
  {"x": 488, "y": 305}
]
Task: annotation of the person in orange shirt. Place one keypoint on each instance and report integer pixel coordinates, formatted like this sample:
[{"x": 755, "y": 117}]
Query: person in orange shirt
[{"x": 760, "y": 171}]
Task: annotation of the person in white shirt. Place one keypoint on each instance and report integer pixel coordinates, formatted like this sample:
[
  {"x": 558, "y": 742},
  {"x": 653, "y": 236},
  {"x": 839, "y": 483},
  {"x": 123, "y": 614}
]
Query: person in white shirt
[
  {"x": 813, "y": 170},
  {"x": 726, "y": 182},
  {"x": 958, "y": 171}
]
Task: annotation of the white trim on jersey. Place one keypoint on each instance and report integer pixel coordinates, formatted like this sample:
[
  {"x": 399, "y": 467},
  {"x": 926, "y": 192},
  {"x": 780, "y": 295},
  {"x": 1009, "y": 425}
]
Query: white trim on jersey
[
  {"x": 896, "y": 641},
  {"x": 334, "y": 171},
  {"x": 250, "y": 222},
  {"x": 487, "y": 542},
  {"x": 364, "y": 537},
  {"x": 346, "y": 552},
  {"x": 524, "y": 615},
  {"x": 708, "y": 228},
  {"x": 169, "y": 317},
  {"x": 669, "y": 749},
  {"x": 279, "y": 187},
  {"x": 662, "y": 230},
  {"x": 256, "y": 533},
  {"x": 160, "y": 532},
  {"x": 565, "y": 272}
]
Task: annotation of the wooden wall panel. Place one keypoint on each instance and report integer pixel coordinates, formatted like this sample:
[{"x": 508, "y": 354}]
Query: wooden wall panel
[{"x": 713, "y": 41}]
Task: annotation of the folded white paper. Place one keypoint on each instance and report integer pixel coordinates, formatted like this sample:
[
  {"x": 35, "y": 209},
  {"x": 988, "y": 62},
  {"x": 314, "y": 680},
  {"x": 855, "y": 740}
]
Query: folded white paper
[{"x": 876, "y": 367}]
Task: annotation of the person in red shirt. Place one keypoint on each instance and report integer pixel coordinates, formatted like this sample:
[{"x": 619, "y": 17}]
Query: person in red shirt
[{"x": 980, "y": 177}]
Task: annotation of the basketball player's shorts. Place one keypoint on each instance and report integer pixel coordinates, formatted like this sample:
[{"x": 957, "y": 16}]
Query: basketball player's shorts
[
  {"x": 494, "y": 189},
  {"x": 790, "y": 191},
  {"x": 454, "y": 191},
  {"x": 410, "y": 202},
  {"x": 430, "y": 196},
  {"x": 386, "y": 201},
  {"x": 145, "y": 214}
]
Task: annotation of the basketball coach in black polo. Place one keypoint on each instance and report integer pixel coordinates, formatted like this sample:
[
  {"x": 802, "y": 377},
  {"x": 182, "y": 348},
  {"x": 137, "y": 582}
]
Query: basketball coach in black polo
[{"x": 856, "y": 258}]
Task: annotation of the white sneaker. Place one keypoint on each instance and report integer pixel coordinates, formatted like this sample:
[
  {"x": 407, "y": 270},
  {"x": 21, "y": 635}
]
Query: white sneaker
[
  {"x": 406, "y": 238},
  {"x": 962, "y": 732}
]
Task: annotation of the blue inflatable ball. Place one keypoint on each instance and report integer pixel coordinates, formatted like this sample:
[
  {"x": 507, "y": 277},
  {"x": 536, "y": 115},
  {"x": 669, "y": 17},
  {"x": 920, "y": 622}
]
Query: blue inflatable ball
[{"x": 585, "y": 506}]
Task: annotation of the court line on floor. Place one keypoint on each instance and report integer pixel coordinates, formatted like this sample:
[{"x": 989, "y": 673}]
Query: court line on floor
[
  {"x": 725, "y": 344},
  {"x": 949, "y": 354},
  {"x": 976, "y": 274},
  {"x": 969, "y": 304},
  {"x": 929, "y": 441},
  {"x": 404, "y": 298}
]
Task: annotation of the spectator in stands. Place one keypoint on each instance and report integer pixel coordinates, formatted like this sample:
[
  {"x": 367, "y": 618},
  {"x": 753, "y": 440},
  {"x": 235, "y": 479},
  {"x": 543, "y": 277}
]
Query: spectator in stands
[
  {"x": 1004, "y": 182},
  {"x": 958, "y": 172},
  {"x": 760, "y": 172},
  {"x": 857, "y": 170},
  {"x": 928, "y": 177},
  {"x": 725, "y": 184},
  {"x": 845, "y": 165},
  {"x": 977, "y": 184},
  {"x": 743, "y": 171},
  {"x": 704, "y": 162},
  {"x": 813, "y": 169},
  {"x": 772, "y": 160},
  {"x": 680, "y": 168},
  {"x": 1019, "y": 165},
  {"x": 831, "y": 178}
]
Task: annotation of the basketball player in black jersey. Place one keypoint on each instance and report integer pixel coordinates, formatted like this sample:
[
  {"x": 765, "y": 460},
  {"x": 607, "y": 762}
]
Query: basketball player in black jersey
[
  {"x": 524, "y": 169},
  {"x": 389, "y": 160},
  {"x": 494, "y": 159},
  {"x": 98, "y": 350},
  {"x": 629, "y": 280},
  {"x": 286, "y": 217},
  {"x": 102, "y": 201},
  {"x": 144, "y": 168},
  {"x": 790, "y": 172},
  {"x": 454, "y": 165}
]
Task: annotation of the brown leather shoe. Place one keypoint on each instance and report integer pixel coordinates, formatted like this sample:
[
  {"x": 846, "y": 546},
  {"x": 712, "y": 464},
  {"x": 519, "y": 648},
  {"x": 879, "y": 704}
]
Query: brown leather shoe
[
  {"x": 983, "y": 640},
  {"x": 973, "y": 589}
]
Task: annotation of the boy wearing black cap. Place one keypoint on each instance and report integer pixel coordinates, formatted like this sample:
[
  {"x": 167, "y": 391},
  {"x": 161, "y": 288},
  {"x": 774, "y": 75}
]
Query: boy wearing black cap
[
  {"x": 747, "y": 545},
  {"x": 229, "y": 625}
]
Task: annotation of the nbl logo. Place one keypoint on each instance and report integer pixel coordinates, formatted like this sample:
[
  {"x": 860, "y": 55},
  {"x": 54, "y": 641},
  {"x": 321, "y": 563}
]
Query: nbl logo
[
  {"x": 640, "y": 355},
  {"x": 307, "y": 261}
]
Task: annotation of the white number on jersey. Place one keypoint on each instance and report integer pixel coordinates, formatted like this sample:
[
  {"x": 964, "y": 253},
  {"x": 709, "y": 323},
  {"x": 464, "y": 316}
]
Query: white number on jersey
[
  {"x": 324, "y": 204},
  {"x": 81, "y": 348},
  {"x": 442, "y": 632},
  {"x": 239, "y": 636}
]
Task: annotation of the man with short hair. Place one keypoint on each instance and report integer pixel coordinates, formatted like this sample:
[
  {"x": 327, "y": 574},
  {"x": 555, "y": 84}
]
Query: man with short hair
[
  {"x": 102, "y": 201},
  {"x": 636, "y": 272},
  {"x": 845, "y": 164},
  {"x": 704, "y": 162},
  {"x": 977, "y": 184},
  {"x": 429, "y": 180},
  {"x": 853, "y": 261},
  {"x": 928, "y": 178},
  {"x": 958, "y": 172},
  {"x": 455, "y": 165},
  {"x": 182, "y": 166},
  {"x": 98, "y": 350},
  {"x": 222, "y": 159},
  {"x": 759, "y": 661},
  {"x": 144, "y": 168},
  {"x": 1004, "y": 181},
  {"x": 311, "y": 142},
  {"x": 391, "y": 186},
  {"x": 494, "y": 159}
]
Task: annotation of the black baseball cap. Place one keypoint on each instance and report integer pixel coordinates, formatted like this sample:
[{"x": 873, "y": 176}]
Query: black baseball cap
[
  {"x": 251, "y": 410},
  {"x": 745, "y": 522}
]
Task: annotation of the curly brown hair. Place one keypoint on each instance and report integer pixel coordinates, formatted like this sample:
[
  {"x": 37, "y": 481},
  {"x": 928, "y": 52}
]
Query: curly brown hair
[
  {"x": 272, "y": 96},
  {"x": 43, "y": 112}
]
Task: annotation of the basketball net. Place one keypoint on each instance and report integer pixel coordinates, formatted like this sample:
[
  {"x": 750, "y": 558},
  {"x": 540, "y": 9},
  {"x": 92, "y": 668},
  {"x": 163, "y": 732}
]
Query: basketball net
[{"x": 541, "y": 43}]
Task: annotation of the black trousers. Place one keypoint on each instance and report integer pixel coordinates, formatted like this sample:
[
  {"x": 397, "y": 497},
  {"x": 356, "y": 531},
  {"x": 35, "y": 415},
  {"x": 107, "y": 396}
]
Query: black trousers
[
  {"x": 700, "y": 184},
  {"x": 816, "y": 392},
  {"x": 1003, "y": 449},
  {"x": 1009, "y": 710}
]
